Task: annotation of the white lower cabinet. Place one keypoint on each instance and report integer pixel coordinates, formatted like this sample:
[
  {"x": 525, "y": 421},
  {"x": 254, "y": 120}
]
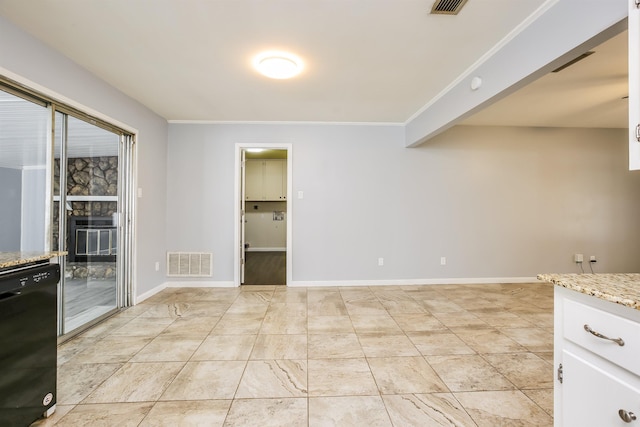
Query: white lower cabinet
[
  {"x": 597, "y": 382},
  {"x": 594, "y": 397}
]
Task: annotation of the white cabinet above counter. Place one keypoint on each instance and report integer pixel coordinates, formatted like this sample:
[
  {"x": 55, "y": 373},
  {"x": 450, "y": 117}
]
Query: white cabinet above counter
[
  {"x": 266, "y": 180},
  {"x": 596, "y": 349}
]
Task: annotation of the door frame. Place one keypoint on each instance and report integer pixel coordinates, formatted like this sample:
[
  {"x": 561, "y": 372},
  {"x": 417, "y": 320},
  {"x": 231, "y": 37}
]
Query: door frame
[{"x": 237, "y": 216}]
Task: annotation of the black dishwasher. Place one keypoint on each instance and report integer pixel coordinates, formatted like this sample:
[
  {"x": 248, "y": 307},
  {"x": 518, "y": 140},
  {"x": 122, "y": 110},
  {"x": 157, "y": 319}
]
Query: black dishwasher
[{"x": 28, "y": 343}]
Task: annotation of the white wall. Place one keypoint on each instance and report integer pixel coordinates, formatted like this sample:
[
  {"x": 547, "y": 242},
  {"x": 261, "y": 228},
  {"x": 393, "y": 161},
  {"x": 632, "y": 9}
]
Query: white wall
[
  {"x": 262, "y": 231},
  {"x": 24, "y": 58},
  {"x": 497, "y": 202}
]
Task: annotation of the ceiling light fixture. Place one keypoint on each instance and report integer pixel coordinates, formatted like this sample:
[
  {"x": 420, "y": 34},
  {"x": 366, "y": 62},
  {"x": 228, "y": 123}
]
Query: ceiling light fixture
[{"x": 278, "y": 65}]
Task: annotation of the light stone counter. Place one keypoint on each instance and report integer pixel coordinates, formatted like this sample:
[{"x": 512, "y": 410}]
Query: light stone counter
[
  {"x": 621, "y": 289},
  {"x": 15, "y": 259}
]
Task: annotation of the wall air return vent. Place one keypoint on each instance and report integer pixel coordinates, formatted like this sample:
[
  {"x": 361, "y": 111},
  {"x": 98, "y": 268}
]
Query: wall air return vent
[
  {"x": 189, "y": 264},
  {"x": 447, "y": 7}
]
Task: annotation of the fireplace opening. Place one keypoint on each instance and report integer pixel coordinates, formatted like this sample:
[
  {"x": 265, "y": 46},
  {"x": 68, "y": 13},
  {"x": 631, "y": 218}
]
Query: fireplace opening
[{"x": 92, "y": 239}]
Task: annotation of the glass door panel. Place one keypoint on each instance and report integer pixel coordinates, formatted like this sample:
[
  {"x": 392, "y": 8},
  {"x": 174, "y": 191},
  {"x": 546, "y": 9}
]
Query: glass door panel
[
  {"x": 23, "y": 175},
  {"x": 88, "y": 170}
]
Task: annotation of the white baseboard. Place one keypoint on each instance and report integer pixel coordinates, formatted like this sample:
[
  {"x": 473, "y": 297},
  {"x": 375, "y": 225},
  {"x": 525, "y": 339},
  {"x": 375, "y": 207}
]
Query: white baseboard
[
  {"x": 345, "y": 283},
  {"x": 138, "y": 299},
  {"x": 201, "y": 284},
  {"x": 409, "y": 282},
  {"x": 250, "y": 249}
]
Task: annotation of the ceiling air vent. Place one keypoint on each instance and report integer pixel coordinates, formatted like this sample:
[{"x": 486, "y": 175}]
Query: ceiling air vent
[
  {"x": 447, "y": 7},
  {"x": 573, "y": 61}
]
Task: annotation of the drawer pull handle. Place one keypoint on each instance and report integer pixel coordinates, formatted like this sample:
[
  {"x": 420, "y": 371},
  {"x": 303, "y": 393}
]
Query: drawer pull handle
[
  {"x": 627, "y": 417},
  {"x": 618, "y": 341}
]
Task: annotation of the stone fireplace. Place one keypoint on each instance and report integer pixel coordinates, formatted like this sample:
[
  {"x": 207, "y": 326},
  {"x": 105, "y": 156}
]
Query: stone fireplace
[{"x": 92, "y": 191}]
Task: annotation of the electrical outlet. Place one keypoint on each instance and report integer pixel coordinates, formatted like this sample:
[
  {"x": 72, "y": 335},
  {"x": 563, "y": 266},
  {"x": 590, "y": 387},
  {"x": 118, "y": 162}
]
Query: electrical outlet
[
  {"x": 443, "y": 260},
  {"x": 380, "y": 262},
  {"x": 157, "y": 265},
  {"x": 592, "y": 258},
  {"x": 578, "y": 258}
]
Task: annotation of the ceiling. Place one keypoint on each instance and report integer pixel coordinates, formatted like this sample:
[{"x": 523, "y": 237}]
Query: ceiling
[{"x": 365, "y": 61}]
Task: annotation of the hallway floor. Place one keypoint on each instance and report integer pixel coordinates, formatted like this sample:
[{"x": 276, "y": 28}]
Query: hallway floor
[
  {"x": 265, "y": 268},
  {"x": 443, "y": 355}
]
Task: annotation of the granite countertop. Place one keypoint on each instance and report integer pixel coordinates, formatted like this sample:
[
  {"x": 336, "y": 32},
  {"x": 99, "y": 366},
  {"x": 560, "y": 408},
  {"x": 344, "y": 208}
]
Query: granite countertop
[
  {"x": 14, "y": 259},
  {"x": 622, "y": 289}
]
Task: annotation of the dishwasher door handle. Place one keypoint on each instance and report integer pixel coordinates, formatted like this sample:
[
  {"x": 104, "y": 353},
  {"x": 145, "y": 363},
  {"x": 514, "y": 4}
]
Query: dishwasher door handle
[{"x": 10, "y": 294}]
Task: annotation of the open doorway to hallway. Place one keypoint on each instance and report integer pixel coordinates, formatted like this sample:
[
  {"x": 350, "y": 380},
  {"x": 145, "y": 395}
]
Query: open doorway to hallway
[{"x": 264, "y": 215}]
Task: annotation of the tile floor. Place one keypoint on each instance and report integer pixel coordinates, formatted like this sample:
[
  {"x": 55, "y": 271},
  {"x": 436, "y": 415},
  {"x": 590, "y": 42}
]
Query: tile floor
[{"x": 444, "y": 355}]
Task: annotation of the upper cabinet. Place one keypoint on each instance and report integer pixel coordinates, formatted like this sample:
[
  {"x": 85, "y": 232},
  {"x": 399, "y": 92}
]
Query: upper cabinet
[
  {"x": 266, "y": 180},
  {"x": 634, "y": 84}
]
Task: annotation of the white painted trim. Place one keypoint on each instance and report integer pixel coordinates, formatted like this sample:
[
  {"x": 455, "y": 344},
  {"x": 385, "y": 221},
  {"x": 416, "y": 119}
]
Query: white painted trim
[
  {"x": 250, "y": 249},
  {"x": 345, "y": 283},
  {"x": 409, "y": 282},
  {"x": 195, "y": 284},
  {"x": 305, "y": 123},
  {"x": 201, "y": 284},
  {"x": 139, "y": 298},
  {"x": 236, "y": 215}
]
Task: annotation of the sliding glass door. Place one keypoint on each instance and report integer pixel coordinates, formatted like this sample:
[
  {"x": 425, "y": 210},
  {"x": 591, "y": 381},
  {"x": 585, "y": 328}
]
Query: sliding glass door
[
  {"x": 87, "y": 189},
  {"x": 68, "y": 186}
]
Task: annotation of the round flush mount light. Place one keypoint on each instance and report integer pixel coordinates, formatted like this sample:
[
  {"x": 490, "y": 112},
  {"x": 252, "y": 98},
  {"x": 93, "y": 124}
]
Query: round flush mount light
[{"x": 278, "y": 65}]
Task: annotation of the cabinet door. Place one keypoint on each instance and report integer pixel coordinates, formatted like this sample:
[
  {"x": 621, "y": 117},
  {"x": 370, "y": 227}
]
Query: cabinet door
[
  {"x": 274, "y": 184},
  {"x": 592, "y": 396},
  {"x": 253, "y": 180}
]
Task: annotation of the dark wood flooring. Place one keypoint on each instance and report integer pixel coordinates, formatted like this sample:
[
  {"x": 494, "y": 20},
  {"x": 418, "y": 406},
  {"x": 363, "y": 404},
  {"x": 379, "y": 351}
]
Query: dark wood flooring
[{"x": 265, "y": 268}]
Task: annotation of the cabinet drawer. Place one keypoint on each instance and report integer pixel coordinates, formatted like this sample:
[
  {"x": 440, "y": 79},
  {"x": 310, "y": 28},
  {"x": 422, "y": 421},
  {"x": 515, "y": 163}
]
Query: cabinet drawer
[
  {"x": 577, "y": 315},
  {"x": 593, "y": 397}
]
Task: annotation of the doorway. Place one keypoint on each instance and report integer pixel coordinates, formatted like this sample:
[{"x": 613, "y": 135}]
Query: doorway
[{"x": 263, "y": 215}]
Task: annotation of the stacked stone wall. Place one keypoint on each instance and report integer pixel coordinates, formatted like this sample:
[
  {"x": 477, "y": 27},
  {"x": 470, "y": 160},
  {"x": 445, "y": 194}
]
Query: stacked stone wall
[{"x": 88, "y": 176}]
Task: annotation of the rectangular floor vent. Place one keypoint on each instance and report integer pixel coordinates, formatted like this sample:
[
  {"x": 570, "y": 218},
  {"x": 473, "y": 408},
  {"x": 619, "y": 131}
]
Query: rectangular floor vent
[{"x": 189, "y": 264}]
